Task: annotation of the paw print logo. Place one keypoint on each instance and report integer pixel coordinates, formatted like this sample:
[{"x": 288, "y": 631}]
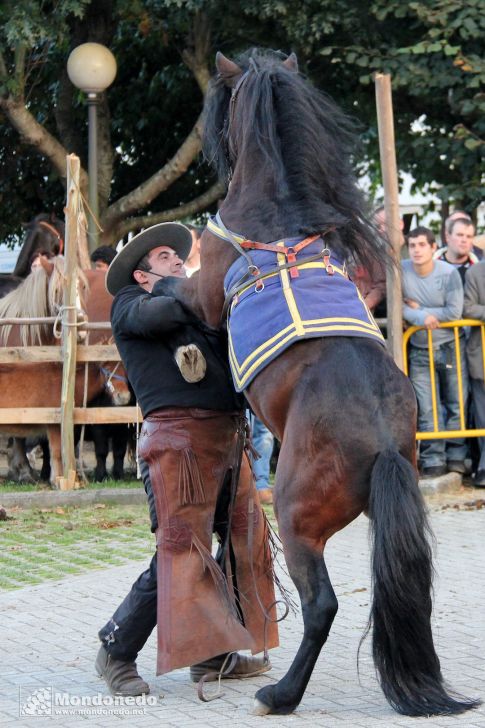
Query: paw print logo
[{"x": 38, "y": 703}]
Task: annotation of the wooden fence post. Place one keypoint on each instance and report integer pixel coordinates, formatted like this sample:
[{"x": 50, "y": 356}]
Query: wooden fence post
[
  {"x": 69, "y": 330},
  {"x": 385, "y": 124}
]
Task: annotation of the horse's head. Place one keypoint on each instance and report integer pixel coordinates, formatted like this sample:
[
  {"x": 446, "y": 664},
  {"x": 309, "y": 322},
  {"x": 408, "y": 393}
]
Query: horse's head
[
  {"x": 116, "y": 383},
  {"x": 44, "y": 234},
  {"x": 238, "y": 102}
]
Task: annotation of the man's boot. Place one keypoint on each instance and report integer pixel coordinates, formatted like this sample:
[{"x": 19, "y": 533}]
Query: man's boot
[
  {"x": 236, "y": 667},
  {"x": 121, "y": 677}
]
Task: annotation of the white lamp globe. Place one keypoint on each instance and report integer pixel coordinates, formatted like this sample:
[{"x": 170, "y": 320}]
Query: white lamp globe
[{"x": 91, "y": 67}]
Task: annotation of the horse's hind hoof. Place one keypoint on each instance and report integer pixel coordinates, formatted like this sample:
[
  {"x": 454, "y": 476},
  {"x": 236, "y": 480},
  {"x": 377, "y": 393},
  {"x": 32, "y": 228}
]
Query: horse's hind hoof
[{"x": 260, "y": 708}]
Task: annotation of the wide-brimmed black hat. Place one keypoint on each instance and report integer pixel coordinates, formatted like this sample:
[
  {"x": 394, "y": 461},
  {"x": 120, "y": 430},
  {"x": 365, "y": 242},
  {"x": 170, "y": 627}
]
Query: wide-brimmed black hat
[{"x": 172, "y": 234}]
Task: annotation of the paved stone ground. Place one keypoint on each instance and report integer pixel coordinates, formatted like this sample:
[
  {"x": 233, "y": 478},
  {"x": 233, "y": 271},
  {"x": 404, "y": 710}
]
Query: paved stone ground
[{"x": 48, "y": 640}]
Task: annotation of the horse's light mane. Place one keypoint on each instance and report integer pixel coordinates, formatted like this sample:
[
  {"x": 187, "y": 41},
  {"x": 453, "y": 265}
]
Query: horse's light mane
[{"x": 37, "y": 296}]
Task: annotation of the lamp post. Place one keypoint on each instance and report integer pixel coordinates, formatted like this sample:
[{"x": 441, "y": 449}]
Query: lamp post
[{"x": 92, "y": 68}]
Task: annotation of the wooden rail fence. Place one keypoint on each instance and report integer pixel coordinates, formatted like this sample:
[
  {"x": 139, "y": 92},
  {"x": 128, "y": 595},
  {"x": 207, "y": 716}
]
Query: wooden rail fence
[{"x": 69, "y": 353}]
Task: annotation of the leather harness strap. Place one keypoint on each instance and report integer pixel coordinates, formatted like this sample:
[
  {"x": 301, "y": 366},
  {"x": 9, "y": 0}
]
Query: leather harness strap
[
  {"x": 54, "y": 232},
  {"x": 290, "y": 252}
]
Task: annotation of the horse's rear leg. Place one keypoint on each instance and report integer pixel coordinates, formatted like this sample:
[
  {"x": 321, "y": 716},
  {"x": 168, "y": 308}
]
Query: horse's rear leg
[{"x": 319, "y": 605}]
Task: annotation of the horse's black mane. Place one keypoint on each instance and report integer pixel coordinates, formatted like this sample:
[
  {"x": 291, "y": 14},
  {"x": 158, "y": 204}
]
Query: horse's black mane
[{"x": 301, "y": 144}]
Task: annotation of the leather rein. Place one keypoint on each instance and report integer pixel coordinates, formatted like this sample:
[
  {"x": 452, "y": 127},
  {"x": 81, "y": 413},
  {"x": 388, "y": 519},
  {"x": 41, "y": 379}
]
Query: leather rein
[{"x": 55, "y": 232}]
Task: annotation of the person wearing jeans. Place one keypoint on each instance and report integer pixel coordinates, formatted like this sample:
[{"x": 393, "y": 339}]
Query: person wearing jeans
[
  {"x": 263, "y": 442},
  {"x": 433, "y": 294},
  {"x": 433, "y": 453},
  {"x": 474, "y": 308}
]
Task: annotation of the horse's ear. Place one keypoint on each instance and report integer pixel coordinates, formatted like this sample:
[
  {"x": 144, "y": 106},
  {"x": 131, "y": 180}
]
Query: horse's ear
[
  {"x": 227, "y": 69},
  {"x": 291, "y": 63}
]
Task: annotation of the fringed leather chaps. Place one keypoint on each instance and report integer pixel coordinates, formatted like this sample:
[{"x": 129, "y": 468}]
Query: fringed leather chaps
[{"x": 205, "y": 610}]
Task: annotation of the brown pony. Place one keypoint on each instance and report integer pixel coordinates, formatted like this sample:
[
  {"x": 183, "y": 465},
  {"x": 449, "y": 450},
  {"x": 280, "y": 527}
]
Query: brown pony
[
  {"x": 344, "y": 413},
  {"x": 39, "y": 385}
]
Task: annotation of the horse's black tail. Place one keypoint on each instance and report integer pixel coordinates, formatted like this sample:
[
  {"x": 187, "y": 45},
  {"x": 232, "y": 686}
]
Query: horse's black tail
[{"x": 403, "y": 649}]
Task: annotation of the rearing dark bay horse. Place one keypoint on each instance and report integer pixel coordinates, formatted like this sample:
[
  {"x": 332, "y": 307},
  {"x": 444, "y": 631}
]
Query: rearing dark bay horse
[{"x": 344, "y": 413}]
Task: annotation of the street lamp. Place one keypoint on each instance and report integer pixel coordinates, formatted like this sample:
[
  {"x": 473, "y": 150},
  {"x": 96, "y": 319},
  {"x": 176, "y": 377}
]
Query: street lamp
[{"x": 92, "y": 68}]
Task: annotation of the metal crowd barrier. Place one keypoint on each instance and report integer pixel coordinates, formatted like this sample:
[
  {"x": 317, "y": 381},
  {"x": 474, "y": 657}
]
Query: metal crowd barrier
[{"x": 456, "y": 326}]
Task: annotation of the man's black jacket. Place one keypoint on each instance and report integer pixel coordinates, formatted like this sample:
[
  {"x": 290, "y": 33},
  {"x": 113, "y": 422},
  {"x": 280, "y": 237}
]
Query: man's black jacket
[{"x": 148, "y": 328}]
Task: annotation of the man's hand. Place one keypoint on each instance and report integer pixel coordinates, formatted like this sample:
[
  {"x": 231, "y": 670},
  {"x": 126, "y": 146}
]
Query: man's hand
[
  {"x": 431, "y": 322},
  {"x": 411, "y": 303},
  {"x": 166, "y": 286}
]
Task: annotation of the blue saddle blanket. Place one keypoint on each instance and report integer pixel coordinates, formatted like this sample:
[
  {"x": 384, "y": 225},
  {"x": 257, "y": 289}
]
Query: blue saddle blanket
[{"x": 262, "y": 324}]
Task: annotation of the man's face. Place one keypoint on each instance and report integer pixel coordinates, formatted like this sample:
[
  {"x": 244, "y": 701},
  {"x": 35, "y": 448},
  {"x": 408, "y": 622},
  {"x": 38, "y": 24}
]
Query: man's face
[
  {"x": 165, "y": 261},
  {"x": 420, "y": 251},
  {"x": 101, "y": 265},
  {"x": 460, "y": 239},
  {"x": 380, "y": 223}
]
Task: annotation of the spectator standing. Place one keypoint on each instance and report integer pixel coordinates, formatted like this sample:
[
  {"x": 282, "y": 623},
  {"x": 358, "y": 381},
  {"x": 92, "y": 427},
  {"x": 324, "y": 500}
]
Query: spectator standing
[
  {"x": 433, "y": 294},
  {"x": 371, "y": 282},
  {"x": 445, "y": 227},
  {"x": 192, "y": 264},
  {"x": 263, "y": 442},
  {"x": 102, "y": 257},
  {"x": 474, "y": 307},
  {"x": 459, "y": 252}
]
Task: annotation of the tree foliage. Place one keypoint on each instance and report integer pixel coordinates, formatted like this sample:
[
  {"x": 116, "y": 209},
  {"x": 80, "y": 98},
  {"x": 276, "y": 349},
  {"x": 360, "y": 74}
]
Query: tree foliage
[{"x": 149, "y": 122}]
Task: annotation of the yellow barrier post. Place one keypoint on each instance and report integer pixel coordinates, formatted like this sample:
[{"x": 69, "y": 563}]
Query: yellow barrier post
[{"x": 456, "y": 325}]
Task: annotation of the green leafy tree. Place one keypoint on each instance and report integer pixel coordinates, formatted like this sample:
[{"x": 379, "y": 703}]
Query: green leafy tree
[
  {"x": 433, "y": 50},
  {"x": 150, "y": 134},
  {"x": 150, "y": 169}
]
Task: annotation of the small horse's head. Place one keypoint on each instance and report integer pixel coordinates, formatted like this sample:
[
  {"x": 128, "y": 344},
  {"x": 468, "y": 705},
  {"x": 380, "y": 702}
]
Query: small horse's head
[{"x": 116, "y": 383}]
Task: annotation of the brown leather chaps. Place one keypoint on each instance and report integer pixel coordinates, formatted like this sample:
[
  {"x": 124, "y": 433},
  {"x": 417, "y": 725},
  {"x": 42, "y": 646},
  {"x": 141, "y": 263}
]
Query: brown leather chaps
[{"x": 206, "y": 607}]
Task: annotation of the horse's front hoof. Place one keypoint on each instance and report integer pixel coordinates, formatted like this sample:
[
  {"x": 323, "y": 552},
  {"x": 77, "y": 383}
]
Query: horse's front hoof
[
  {"x": 260, "y": 708},
  {"x": 265, "y": 703}
]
